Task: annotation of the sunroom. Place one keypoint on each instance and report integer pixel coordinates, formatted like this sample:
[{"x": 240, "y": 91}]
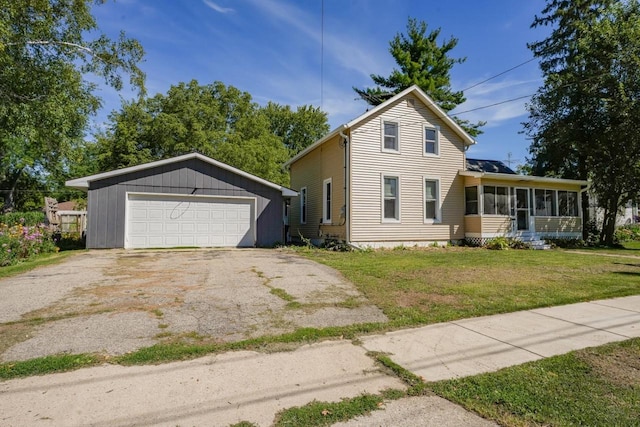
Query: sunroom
[{"x": 527, "y": 208}]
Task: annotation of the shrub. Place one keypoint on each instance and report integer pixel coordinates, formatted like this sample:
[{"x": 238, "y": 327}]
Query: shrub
[
  {"x": 336, "y": 245},
  {"x": 67, "y": 241},
  {"x": 627, "y": 233},
  {"x": 593, "y": 234},
  {"x": 498, "y": 244},
  {"x": 29, "y": 219},
  {"x": 503, "y": 243},
  {"x": 566, "y": 243},
  {"x": 20, "y": 242}
]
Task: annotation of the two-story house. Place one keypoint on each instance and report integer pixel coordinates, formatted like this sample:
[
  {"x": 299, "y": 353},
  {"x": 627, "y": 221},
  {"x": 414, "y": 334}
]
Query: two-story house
[{"x": 398, "y": 175}]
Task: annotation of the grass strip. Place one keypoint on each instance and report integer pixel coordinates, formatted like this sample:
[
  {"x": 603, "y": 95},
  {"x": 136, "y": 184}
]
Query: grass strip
[
  {"x": 38, "y": 261},
  {"x": 417, "y": 387},
  {"x": 328, "y": 413},
  {"x": 596, "y": 387},
  {"x": 183, "y": 350},
  {"x": 47, "y": 365}
]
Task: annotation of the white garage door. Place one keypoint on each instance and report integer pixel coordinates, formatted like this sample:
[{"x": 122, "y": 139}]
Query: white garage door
[{"x": 165, "y": 221}]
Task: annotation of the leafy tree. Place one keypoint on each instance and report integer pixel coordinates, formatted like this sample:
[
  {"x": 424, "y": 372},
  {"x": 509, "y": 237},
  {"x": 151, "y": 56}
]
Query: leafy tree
[
  {"x": 298, "y": 129},
  {"x": 46, "y": 50},
  {"x": 584, "y": 120},
  {"x": 216, "y": 120},
  {"x": 421, "y": 62}
]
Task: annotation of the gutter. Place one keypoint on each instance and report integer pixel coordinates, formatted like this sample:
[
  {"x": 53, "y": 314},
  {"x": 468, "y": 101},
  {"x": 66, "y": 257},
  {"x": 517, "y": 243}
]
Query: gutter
[{"x": 347, "y": 143}]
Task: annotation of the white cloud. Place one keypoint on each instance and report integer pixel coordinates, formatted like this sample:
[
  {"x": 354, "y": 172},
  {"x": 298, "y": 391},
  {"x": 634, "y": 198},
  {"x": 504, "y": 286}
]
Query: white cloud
[
  {"x": 217, "y": 7},
  {"x": 350, "y": 53}
]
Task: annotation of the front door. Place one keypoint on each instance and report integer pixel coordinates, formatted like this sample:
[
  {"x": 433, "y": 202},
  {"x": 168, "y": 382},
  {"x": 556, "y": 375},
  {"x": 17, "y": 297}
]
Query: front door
[{"x": 522, "y": 209}]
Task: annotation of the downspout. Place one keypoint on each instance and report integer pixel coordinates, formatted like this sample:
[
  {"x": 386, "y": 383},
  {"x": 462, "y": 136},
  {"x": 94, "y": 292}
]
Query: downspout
[
  {"x": 584, "y": 192},
  {"x": 347, "y": 221}
]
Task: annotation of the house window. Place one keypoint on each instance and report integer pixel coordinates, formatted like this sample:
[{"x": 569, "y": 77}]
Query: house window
[
  {"x": 567, "y": 203},
  {"x": 496, "y": 200},
  {"x": 431, "y": 196},
  {"x": 326, "y": 199},
  {"x": 545, "y": 202},
  {"x": 390, "y": 139},
  {"x": 471, "y": 200},
  {"x": 390, "y": 198},
  {"x": 431, "y": 140},
  {"x": 303, "y": 205}
]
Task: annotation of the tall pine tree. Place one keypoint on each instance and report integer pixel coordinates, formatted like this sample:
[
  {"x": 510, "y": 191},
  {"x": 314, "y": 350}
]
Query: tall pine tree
[{"x": 421, "y": 62}]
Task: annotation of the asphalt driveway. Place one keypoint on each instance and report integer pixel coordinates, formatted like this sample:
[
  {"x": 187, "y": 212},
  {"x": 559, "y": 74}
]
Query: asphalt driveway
[{"x": 117, "y": 301}]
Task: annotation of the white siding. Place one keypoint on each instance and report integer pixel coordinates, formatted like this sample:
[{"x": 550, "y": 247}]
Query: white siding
[{"x": 368, "y": 162}]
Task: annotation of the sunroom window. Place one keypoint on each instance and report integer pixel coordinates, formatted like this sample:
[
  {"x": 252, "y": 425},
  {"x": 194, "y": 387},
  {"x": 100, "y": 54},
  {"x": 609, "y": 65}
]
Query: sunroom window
[
  {"x": 567, "y": 203},
  {"x": 496, "y": 200},
  {"x": 545, "y": 203}
]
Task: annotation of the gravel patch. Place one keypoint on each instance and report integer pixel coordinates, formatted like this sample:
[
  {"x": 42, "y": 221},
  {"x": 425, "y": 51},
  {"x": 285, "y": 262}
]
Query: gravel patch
[
  {"x": 87, "y": 334},
  {"x": 116, "y": 301}
]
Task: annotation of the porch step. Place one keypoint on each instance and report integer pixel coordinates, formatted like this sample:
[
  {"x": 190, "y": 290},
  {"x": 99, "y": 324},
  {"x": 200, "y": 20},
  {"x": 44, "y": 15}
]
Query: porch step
[{"x": 539, "y": 245}]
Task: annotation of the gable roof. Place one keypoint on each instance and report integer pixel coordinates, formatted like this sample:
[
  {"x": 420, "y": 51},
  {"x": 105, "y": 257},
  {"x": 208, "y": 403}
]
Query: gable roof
[
  {"x": 495, "y": 166},
  {"x": 414, "y": 90},
  {"x": 83, "y": 183}
]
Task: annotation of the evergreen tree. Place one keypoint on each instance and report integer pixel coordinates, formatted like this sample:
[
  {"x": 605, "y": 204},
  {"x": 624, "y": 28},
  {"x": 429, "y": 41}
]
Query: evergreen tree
[
  {"x": 421, "y": 62},
  {"x": 583, "y": 121}
]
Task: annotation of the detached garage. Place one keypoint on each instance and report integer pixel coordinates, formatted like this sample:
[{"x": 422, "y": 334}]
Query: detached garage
[{"x": 190, "y": 200}]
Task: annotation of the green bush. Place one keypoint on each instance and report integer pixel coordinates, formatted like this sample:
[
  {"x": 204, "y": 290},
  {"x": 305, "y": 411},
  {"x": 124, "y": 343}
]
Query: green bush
[
  {"x": 503, "y": 243},
  {"x": 627, "y": 233},
  {"x": 29, "y": 219},
  {"x": 69, "y": 241},
  {"x": 566, "y": 243}
]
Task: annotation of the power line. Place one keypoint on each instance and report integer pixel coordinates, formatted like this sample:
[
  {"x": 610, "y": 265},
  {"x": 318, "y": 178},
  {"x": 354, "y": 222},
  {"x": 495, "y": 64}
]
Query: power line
[
  {"x": 498, "y": 75},
  {"x": 322, "y": 55},
  {"x": 494, "y": 104}
]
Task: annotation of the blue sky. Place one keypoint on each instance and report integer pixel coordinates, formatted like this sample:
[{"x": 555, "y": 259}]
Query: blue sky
[{"x": 272, "y": 49}]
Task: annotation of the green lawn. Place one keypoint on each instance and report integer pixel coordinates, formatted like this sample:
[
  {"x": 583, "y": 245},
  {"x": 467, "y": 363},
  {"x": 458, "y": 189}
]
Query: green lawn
[
  {"x": 421, "y": 286},
  {"x": 628, "y": 248},
  {"x": 592, "y": 387}
]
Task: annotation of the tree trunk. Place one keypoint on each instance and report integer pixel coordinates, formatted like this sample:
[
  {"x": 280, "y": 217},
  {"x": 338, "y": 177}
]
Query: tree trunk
[
  {"x": 609, "y": 223},
  {"x": 9, "y": 193}
]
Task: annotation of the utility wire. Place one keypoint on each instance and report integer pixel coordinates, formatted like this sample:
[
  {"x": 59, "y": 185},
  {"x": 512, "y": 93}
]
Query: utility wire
[{"x": 498, "y": 75}]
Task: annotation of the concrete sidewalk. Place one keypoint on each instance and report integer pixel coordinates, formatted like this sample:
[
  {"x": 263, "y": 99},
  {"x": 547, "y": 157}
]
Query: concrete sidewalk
[{"x": 248, "y": 386}]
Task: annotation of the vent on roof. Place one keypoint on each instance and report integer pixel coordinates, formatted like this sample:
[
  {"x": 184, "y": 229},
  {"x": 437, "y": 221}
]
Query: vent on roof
[{"x": 411, "y": 102}]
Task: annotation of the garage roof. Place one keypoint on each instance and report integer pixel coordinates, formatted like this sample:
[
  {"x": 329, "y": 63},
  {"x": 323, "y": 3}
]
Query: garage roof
[{"x": 83, "y": 183}]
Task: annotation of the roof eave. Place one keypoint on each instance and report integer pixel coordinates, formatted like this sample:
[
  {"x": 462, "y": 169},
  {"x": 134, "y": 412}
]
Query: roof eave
[
  {"x": 84, "y": 182},
  {"x": 522, "y": 178},
  {"x": 316, "y": 144}
]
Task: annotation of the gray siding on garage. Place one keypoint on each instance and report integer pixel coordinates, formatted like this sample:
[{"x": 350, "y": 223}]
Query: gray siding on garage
[{"x": 107, "y": 198}]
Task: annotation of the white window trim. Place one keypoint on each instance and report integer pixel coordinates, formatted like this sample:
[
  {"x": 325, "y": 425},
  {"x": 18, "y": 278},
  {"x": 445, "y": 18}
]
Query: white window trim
[
  {"x": 304, "y": 201},
  {"x": 382, "y": 148},
  {"x": 438, "y": 219},
  {"x": 398, "y": 210},
  {"x": 326, "y": 219},
  {"x": 424, "y": 140}
]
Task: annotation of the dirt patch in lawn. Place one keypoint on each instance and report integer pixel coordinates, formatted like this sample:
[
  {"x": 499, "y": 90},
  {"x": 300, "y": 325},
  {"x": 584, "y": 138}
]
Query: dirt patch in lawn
[
  {"x": 113, "y": 302},
  {"x": 620, "y": 366}
]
